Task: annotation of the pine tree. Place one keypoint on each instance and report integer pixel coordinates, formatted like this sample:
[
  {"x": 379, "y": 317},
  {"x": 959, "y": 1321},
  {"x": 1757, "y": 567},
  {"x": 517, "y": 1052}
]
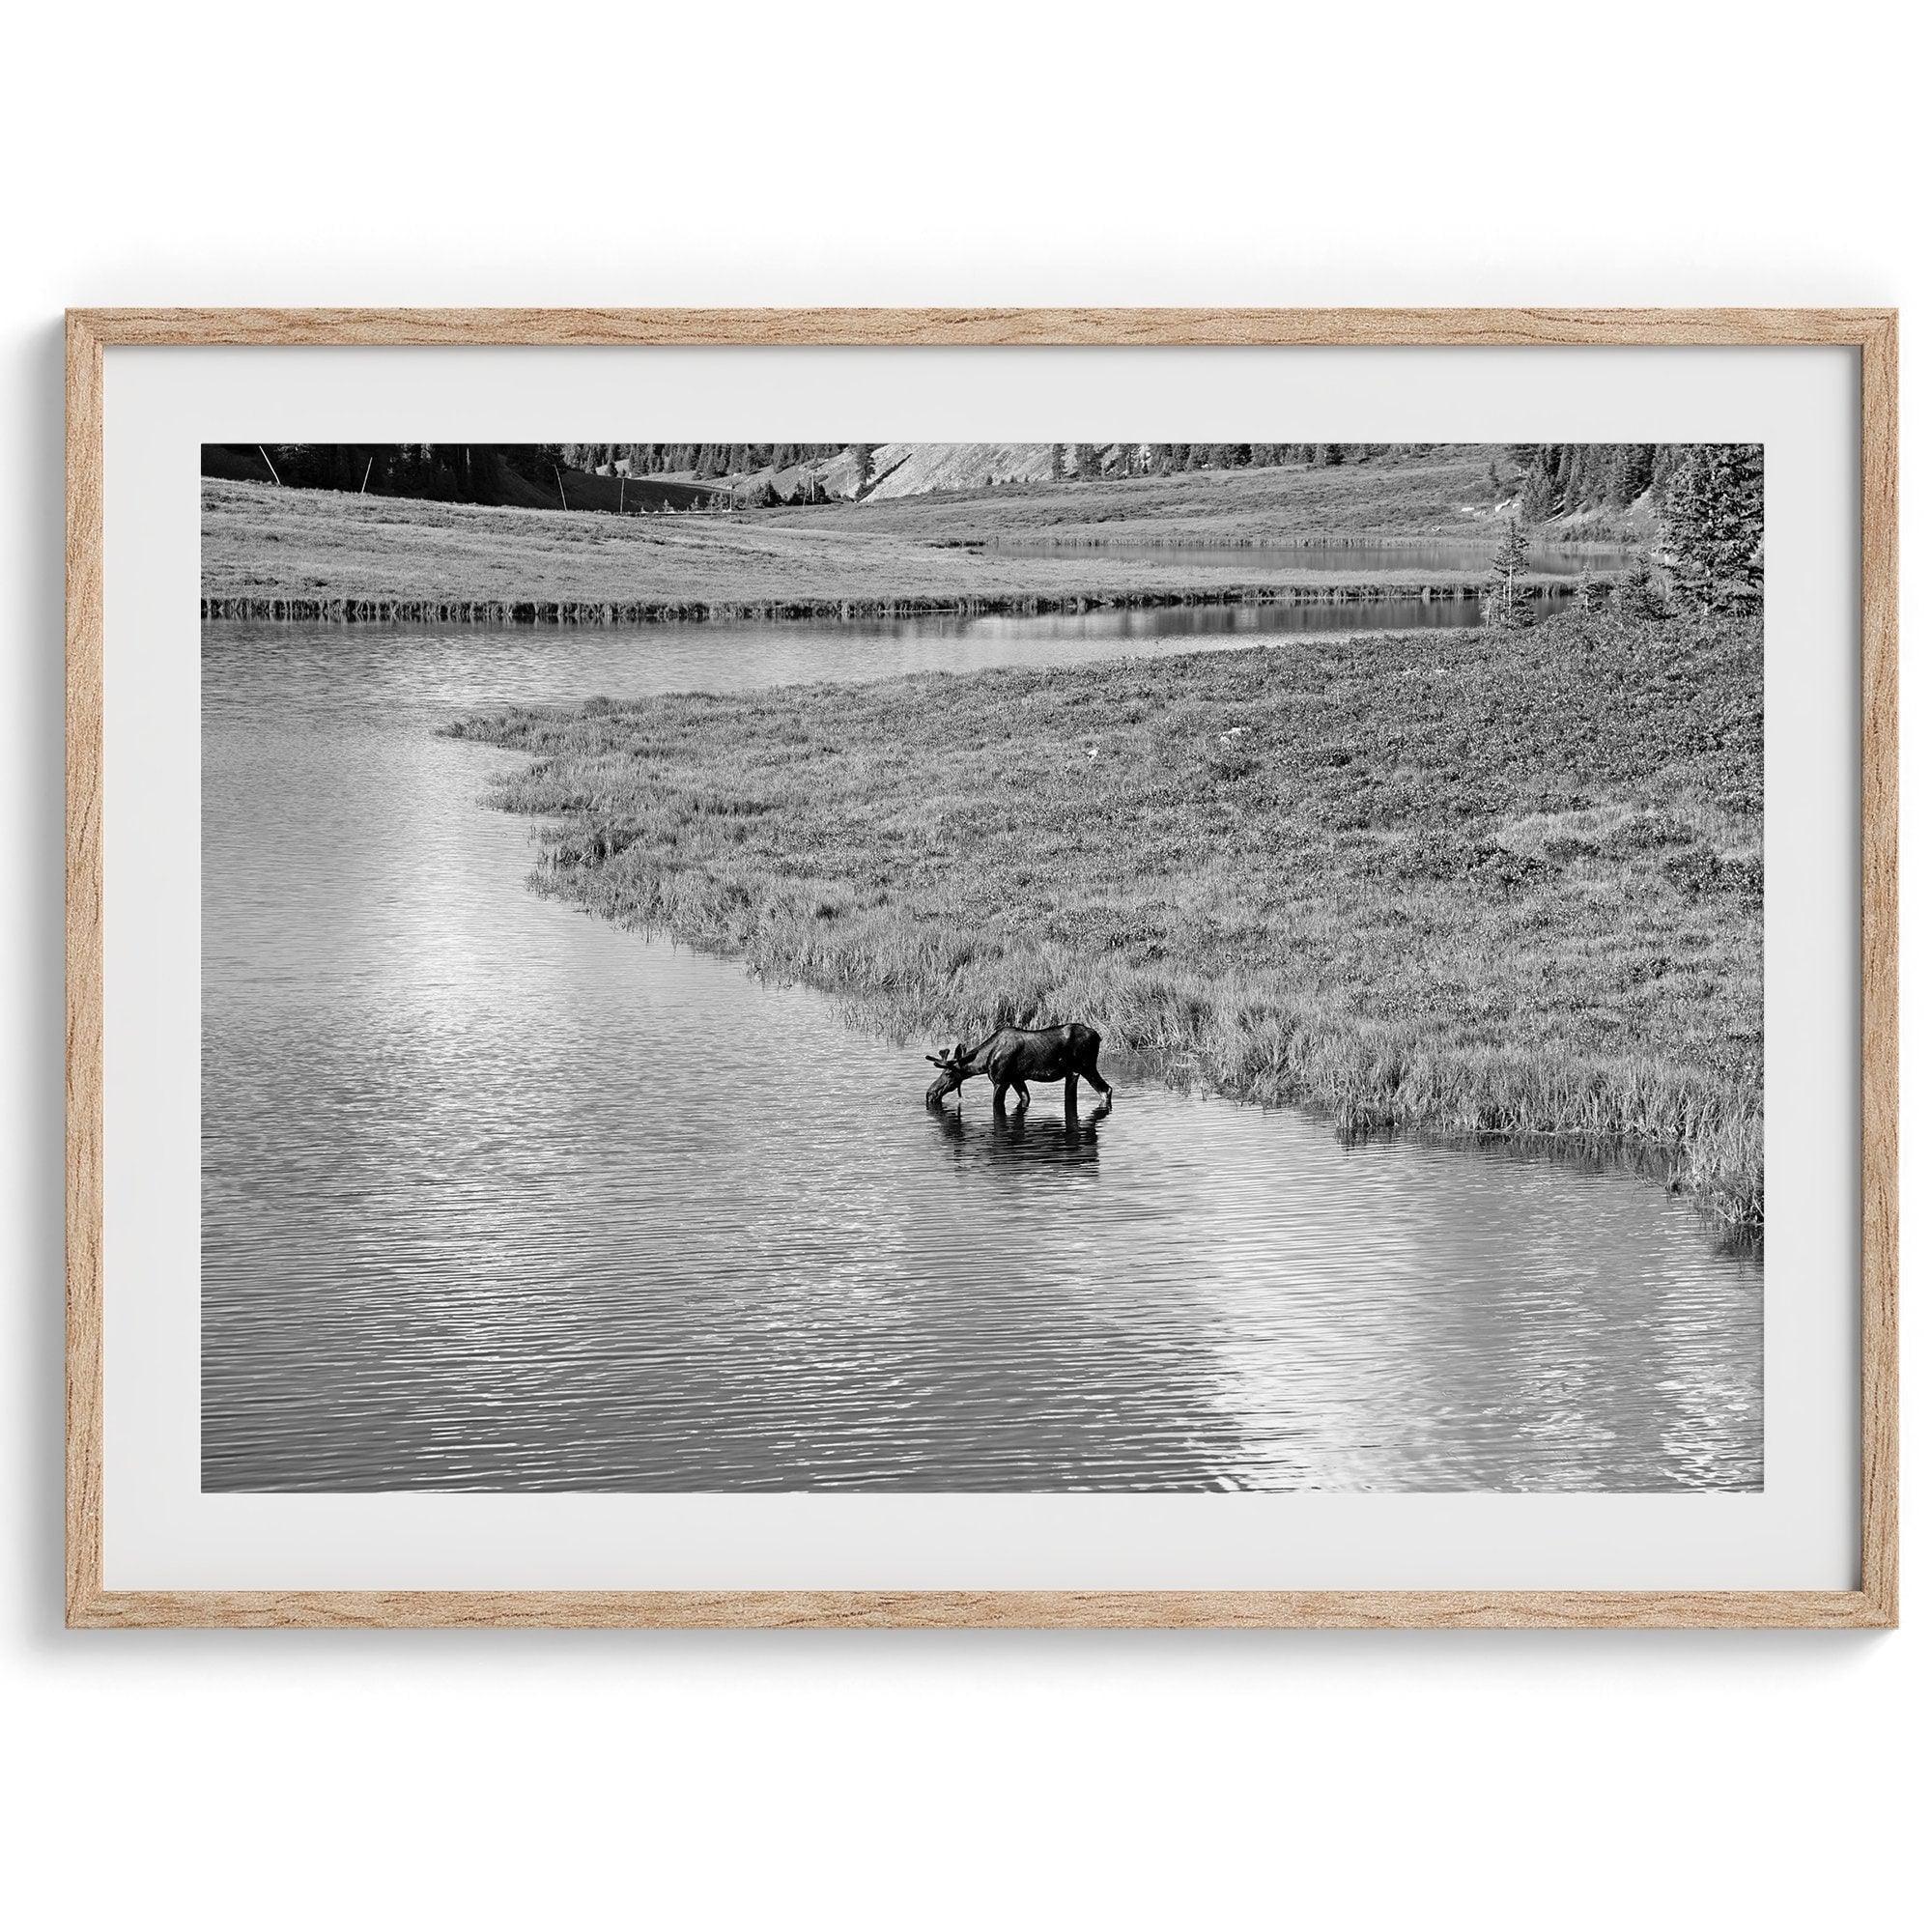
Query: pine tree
[
  {"x": 1711, "y": 530},
  {"x": 1537, "y": 497},
  {"x": 861, "y": 457},
  {"x": 1637, "y": 594},
  {"x": 1506, "y": 608},
  {"x": 1567, "y": 494},
  {"x": 1631, "y": 472},
  {"x": 1056, "y": 461}
]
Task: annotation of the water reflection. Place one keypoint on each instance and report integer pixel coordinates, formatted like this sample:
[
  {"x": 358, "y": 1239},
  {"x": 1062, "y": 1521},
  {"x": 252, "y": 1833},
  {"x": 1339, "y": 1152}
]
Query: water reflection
[
  {"x": 1055, "y": 1135},
  {"x": 496, "y": 1195}
]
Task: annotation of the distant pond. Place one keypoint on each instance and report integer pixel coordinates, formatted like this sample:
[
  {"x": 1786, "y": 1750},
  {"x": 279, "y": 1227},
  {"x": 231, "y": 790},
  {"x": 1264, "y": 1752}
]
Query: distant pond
[{"x": 1341, "y": 559}]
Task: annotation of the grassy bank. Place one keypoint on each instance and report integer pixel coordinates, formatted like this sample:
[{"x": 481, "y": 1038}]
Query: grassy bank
[
  {"x": 315, "y": 554},
  {"x": 1467, "y": 882}
]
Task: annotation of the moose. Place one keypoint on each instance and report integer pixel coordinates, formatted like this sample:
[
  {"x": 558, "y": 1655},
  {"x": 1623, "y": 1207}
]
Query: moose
[{"x": 1015, "y": 1054}]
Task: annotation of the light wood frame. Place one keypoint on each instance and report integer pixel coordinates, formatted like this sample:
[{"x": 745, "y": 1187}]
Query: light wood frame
[{"x": 1874, "y": 1603}]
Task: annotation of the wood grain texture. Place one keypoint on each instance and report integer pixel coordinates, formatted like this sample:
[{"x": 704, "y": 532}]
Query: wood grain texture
[
  {"x": 988, "y": 1609},
  {"x": 1879, "y": 948},
  {"x": 867, "y": 327},
  {"x": 85, "y": 559},
  {"x": 1874, "y": 1604}
]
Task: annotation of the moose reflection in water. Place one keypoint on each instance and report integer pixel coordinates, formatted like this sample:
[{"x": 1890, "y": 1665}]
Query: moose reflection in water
[
  {"x": 1015, "y": 1054},
  {"x": 1020, "y": 1140}
]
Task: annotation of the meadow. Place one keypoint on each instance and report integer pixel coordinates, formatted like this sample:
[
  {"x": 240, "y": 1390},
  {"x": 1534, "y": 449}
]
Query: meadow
[
  {"x": 317, "y": 554},
  {"x": 1500, "y": 883}
]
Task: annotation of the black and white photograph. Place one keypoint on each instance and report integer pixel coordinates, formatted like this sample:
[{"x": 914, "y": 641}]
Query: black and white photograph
[{"x": 981, "y": 967}]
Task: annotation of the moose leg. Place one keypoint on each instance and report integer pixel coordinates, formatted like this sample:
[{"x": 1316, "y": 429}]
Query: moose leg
[
  {"x": 998, "y": 1097},
  {"x": 1026, "y": 1098},
  {"x": 1073, "y": 1092},
  {"x": 1091, "y": 1073}
]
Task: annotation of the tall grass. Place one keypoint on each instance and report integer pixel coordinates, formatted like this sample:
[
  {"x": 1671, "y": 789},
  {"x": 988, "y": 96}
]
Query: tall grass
[{"x": 1477, "y": 883}]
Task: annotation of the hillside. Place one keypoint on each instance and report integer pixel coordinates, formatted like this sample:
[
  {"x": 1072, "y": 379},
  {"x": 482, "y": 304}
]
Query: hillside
[
  {"x": 1440, "y": 490},
  {"x": 484, "y": 477},
  {"x": 898, "y": 469},
  {"x": 1445, "y": 484},
  {"x": 919, "y": 468}
]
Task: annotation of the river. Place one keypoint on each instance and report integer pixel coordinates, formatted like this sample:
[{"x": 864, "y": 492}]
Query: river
[{"x": 498, "y": 1196}]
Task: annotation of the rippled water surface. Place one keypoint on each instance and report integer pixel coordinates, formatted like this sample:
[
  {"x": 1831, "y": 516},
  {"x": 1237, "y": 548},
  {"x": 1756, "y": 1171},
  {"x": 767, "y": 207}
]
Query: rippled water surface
[{"x": 496, "y": 1195}]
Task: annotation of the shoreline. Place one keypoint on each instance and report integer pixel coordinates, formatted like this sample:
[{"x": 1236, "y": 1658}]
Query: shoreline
[
  {"x": 1712, "y": 1180},
  {"x": 1669, "y": 1161},
  {"x": 1389, "y": 937},
  {"x": 1664, "y": 1160},
  {"x": 322, "y": 607}
]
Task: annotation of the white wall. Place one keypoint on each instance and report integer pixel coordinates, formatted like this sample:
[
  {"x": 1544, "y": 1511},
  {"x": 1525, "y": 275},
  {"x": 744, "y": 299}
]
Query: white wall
[{"x": 400, "y": 154}]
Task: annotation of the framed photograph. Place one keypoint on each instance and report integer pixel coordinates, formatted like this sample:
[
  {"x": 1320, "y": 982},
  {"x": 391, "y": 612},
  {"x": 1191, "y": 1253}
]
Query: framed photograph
[{"x": 1004, "y": 968}]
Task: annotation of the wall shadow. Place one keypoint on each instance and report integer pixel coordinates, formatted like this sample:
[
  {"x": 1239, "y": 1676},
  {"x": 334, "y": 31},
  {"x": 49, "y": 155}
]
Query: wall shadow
[{"x": 37, "y": 1027}]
